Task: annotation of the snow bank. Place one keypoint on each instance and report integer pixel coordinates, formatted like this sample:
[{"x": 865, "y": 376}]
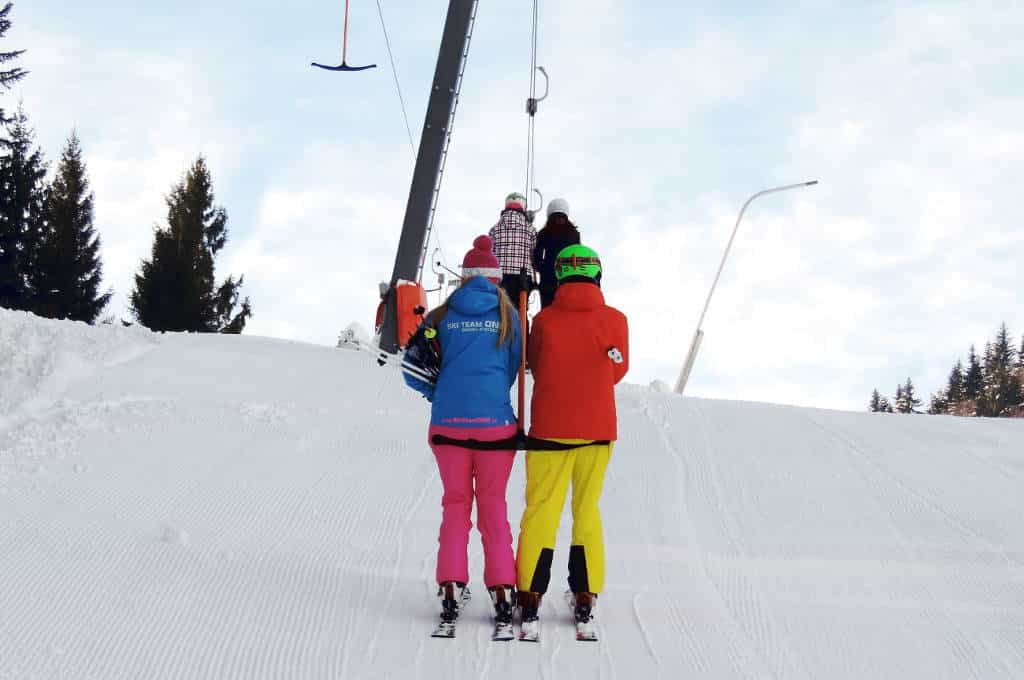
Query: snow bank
[
  {"x": 41, "y": 358},
  {"x": 354, "y": 333}
]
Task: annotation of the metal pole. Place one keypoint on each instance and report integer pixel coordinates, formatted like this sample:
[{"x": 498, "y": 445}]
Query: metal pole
[
  {"x": 428, "y": 162},
  {"x": 344, "y": 38},
  {"x": 691, "y": 357}
]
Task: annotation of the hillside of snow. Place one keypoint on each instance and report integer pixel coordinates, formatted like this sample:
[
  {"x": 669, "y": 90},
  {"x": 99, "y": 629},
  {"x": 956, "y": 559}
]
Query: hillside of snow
[{"x": 184, "y": 506}]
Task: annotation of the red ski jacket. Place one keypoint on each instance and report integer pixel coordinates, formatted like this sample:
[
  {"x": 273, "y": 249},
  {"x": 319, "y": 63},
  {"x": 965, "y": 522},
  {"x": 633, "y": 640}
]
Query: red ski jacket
[{"x": 574, "y": 376}]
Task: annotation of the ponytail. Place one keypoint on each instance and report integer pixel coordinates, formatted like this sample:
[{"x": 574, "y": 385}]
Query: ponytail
[{"x": 505, "y": 309}]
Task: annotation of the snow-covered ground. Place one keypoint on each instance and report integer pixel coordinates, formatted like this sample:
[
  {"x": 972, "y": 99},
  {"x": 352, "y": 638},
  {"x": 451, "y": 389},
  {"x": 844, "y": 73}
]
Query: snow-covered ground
[{"x": 181, "y": 506}]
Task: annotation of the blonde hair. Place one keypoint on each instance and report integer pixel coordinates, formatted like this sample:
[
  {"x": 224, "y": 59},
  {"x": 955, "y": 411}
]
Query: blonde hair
[{"x": 505, "y": 307}]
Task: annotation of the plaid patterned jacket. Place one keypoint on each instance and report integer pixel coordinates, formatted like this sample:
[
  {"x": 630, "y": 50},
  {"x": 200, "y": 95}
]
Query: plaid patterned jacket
[{"x": 514, "y": 240}]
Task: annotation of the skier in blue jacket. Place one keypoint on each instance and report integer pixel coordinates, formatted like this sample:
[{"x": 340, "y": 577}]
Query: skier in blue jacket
[{"x": 474, "y": 340}]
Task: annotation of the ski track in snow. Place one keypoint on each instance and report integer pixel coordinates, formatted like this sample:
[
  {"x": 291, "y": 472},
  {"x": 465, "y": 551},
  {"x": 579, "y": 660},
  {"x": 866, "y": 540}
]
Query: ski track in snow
[{"x": 220, "y": 507}]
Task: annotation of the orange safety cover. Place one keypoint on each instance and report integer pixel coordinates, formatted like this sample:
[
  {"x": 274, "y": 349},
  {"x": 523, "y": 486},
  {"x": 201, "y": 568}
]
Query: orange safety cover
[
  {"x": 378, "y": 322},
  {"x": 412, "y": 305}
]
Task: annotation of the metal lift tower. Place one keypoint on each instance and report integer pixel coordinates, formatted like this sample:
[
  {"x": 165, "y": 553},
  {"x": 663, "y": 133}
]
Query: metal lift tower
[{"x": 426, "y": 176}]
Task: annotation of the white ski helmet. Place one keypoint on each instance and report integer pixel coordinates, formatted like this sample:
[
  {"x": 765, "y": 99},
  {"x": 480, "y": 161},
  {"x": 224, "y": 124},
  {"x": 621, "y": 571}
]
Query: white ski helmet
[{"x": 558, "y": 205}]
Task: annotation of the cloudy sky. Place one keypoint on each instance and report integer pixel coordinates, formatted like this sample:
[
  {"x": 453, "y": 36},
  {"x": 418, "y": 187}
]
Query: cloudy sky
[{"x": 660, "y": 123}]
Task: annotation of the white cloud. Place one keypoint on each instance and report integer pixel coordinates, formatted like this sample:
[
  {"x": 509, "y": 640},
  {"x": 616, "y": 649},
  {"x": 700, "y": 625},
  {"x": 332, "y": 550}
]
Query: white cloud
[{"x": 661, "y": 121}]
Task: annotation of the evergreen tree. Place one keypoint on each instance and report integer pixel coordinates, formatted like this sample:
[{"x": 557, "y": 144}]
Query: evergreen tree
[
  {"x": 22, "y": 191},
  {"x": 175, "y": 290},
  {"x": 1003, "y": 351},
  {"x": 983, "y": 407},
  {"x": 1020, "y": 372},
  {"x": 884, "y": 406},
  {"x": 10, "y": 77},
  {"x": 875, "y": 405},
  {"x": 939, "y": 403},
  {"x": 1002, "y": 385},
  {"x": 906, "y": 401},
  {"x": 955, "y": 389},
  {"x": 66, "y": 278},
  {"x": 974, "y": 381}
]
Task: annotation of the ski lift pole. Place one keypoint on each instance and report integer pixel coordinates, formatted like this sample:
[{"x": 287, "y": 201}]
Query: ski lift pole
[
  {"x": 344, "y": 38},
  {"x": 691, "y": 356},
  {"x": 436, "y": 126},
  {"x": 524, "y": 296}
]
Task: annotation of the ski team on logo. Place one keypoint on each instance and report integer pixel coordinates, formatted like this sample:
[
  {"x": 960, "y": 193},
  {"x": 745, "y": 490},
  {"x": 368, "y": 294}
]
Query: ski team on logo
[
  {"x": 468, "y": 326},
  {"x": 577, "y": 351}
]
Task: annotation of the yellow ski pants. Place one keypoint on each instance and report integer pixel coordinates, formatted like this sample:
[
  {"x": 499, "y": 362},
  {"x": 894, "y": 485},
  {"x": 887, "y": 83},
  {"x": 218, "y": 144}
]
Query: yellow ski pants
[{"x": 548, "y": 474}]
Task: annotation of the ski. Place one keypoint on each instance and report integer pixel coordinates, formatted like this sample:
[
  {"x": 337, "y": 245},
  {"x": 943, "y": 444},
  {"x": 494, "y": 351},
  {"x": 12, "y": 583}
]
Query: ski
[
  {"x": 445, "y": 629},
  {"x": 583, "y": 616},
  {"x": 530, "y": 631},
  {"x": 502, "y": 632},
  {"x": 585, "y": 631}
]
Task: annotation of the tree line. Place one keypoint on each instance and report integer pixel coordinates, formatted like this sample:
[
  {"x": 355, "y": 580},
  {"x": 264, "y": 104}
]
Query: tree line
[
  {"x": 991, "y": 385},
  {"x": 50, "y": 250}
]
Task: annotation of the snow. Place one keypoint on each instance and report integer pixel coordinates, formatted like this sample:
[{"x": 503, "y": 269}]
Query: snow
[
  {"x": 183, "y": 506},
  {"x": 354, "y": 334}
]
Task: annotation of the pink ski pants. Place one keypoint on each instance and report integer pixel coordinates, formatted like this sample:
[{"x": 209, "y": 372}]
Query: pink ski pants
[{"x": 490, "y": 470}]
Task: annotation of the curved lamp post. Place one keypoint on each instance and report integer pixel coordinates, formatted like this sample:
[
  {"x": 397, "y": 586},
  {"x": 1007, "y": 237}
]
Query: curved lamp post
[{"x": 691, "y": 357}]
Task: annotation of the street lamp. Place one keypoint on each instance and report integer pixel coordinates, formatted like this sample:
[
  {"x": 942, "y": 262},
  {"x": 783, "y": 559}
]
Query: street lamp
[{"x": 698, "y": 335}]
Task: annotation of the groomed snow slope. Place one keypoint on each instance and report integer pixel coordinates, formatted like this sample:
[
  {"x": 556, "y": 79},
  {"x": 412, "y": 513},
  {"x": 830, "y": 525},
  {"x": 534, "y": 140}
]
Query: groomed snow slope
[{"x": 180, "y": 506}]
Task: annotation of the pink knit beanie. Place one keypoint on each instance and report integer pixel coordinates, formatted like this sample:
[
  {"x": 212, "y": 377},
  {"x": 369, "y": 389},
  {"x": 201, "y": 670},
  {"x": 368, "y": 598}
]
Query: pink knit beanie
[{"x": 480, "y": 261}]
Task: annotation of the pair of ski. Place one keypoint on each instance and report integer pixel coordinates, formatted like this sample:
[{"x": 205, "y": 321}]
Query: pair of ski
[
  {"x": 583, "y": 617},
  {"x": 585, "y": 631},
  {"x": 529, "y": 630},
  {"x": 452, "y": 604}
]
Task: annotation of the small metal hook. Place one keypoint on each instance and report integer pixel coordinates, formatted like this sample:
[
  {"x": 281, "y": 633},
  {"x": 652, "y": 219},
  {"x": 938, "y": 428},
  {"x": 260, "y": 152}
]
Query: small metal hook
[{"x": 532, "y": 102}]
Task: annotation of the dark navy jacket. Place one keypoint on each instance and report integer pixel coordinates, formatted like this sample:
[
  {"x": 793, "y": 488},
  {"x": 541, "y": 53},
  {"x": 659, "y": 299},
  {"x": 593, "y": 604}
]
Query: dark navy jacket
[{"x": 551, "y": 240}]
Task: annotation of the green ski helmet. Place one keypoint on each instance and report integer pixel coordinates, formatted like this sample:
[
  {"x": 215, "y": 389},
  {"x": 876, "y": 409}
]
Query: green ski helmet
[{"x": 577, "y": 260}]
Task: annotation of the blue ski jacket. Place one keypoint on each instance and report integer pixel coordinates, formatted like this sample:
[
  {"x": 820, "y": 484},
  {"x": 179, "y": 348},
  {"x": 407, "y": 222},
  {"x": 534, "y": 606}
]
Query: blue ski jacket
[{"x": 476, "y": 376}]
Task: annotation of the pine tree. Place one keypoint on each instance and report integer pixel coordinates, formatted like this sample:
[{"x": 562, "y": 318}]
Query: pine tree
[
  {"x": 955, "y": 389},
  {"x": 1014, "y": 385},
  {"x": 67, "y": 275},
  {"x": 974, "y": 381},
  {"x": 906, "y": 402},
  {"x": 1020, "y": 376},
  {"x": 10, "y": 77},
  {"x": 22, "y": 191},
  {"x": 175, "y": 290},
  {"x": 983, "y": 408},
  {"x": 939, "y": 404},
  {"x": 875, "y": 405},
  {"x": 1002, "y": 386},
  {"x": 884, "y": 406}
]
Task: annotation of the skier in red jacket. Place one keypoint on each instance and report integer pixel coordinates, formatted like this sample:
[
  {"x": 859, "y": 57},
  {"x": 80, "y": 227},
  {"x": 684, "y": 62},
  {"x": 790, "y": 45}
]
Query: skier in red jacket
[{"x": 578, "y": 350}]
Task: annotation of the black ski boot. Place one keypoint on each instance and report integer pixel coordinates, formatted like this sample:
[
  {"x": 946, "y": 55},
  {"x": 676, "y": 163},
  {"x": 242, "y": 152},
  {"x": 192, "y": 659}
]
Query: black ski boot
[
  {"x": 453, "y": 596},
  {"x": 503, "y": 598}
]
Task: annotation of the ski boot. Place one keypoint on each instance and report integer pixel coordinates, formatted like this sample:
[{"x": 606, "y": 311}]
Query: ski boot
[
  {"x": 529, "y": 605},
  {"x": 503, "y": 598},
  {"x": 453, "y": 596},
  {"x": 583, "y": 606}
]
